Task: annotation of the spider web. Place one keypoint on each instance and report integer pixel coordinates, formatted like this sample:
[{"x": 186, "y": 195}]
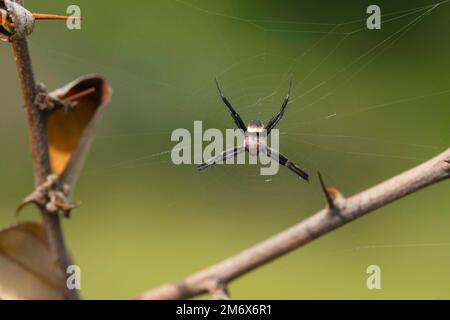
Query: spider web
[
  {"x": 331, "y": 121},
  {"x": 349, "y": 72},
  {"x": 263, "y": 100},
  {"x": 257, "y": 79}
]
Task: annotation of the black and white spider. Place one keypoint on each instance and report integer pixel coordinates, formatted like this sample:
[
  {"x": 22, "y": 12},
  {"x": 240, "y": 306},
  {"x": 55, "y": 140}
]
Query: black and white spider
[{"x": 255, "y": 141}]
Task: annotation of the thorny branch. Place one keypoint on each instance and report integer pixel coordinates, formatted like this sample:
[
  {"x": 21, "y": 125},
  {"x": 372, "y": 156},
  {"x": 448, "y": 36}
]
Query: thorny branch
[
  {"x": 39, "y": 149},
  {"x": 338, "y": 212}
]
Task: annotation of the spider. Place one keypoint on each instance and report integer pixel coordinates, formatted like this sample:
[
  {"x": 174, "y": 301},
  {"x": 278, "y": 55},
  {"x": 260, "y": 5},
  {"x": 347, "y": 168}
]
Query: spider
[{"x": 255, "y": 141}]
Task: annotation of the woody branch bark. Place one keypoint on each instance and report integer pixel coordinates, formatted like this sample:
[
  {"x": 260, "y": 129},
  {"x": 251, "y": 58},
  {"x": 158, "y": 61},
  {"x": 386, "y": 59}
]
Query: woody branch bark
[
  {"x": 338, "y": 212},
  {"x": 37, "y": 123}
]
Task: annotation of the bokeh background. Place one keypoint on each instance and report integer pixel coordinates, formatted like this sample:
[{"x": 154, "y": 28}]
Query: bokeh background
[{"x": 362, "y": 111}]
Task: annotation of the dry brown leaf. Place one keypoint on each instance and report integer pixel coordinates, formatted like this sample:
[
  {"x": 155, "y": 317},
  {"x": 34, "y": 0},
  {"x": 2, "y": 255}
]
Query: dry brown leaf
[
  {"x": 27, "y": 270},
  {"x": 71, "y": 130}
]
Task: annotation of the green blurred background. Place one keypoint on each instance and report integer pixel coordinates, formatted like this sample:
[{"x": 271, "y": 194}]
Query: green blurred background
[{"x": 362, "y": 112}]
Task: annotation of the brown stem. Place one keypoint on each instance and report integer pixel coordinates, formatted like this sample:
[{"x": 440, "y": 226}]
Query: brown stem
[
  {"x": 323, "y": 222},
  {"x": 37, "y": 122}
]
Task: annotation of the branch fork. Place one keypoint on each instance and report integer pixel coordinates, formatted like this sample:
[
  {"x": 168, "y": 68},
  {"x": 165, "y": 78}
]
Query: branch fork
[
  {"x": 220, "y": 294},
  {"x": 217, "y": 289},
  {"x": 16, "y": 22},
  {"x": 47, "y": 102},
  {"x": 51, "y": 195}
]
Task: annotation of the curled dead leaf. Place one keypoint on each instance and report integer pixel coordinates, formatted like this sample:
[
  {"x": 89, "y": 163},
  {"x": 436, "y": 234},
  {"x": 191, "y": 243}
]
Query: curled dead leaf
[
  {"x": 27, "y": 270},
  {"x": 72, "y": 124}
]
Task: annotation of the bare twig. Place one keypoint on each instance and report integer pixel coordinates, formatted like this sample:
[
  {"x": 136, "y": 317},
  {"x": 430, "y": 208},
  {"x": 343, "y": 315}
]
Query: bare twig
[
  {"x": 37, "y": 122},
  {"x": 349, "y": 209}
]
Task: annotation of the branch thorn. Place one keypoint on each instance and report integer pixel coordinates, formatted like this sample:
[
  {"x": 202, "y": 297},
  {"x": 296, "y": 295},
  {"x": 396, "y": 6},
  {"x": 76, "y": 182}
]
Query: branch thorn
[
  {"x": 219, "y": 292},
  {"x": 332, "y": 195}
]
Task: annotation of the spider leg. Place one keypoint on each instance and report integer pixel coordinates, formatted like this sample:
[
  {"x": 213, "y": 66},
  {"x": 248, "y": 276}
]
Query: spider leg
[
  {"x": 277, "y": 118},
  {"x": 287, "y": 163},
  {"x": 236, "y": 117},
  {"x": 221, "y": 158}
]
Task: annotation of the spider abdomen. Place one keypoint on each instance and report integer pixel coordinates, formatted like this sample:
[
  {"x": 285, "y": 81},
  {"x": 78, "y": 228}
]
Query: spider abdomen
[{"x": 255, "y": 143}]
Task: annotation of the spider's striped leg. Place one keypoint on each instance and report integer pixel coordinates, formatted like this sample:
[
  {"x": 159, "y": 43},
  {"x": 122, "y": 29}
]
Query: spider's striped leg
[
  {"x": 221, "y": 158},
  {"x": 277, "y": 118},
  {"x": 236, "y": 117},
  {"x": 287, "y": 163}
]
